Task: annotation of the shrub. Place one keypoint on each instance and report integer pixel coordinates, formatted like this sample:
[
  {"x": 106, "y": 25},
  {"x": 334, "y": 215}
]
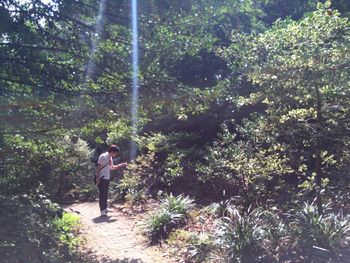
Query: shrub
[
  {"x": 159, "y": 224},
  {"x": 138, "y": 177},
  {"x": 238, "y": 167},
  {"x": 58, "y": 164},
  {"x": 140, "y": 173},
  {"x": 33, "y": 230},
  {"x": 135, "y": 197},
  {"x": 169, "y": 153},
  {"x": 141, "y": 176},
  {"x": 73, "y": 166},
  {"x": 172, "y": 167},
  {"x": 264, "y": 236},
  {"x": 171, "y": 213}
]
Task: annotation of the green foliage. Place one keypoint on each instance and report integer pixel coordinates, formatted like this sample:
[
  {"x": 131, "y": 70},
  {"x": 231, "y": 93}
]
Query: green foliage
[
  {"x": 162, "y": 161},
  {"x": 37, "y": 227},
  {"x": 159, "y": 223},
  {"x": 119, "y": 131},
  {"x": 154, "y": 142},
  {"x": 58, "y": 164},
  {"x": 171, "y": 213},
  {"x": 173, "y": 168},
  {"x": 138, "y": 177},
  {"x": 67, "y": 228},
  {"x": 277, "y": 242},
  {"x": 243, "y": 164},
  {"x": 300, "y": 69}
]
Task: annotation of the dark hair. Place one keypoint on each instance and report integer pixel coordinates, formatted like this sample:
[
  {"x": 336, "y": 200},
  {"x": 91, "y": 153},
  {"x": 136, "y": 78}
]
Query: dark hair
[{"x": 113, "y": 148}]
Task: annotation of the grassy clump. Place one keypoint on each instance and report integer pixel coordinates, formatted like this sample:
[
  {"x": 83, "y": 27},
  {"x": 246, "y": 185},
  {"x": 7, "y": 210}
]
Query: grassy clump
[
  {"x": 266, "y": 236},
  {"x": 171, "y": 213}
]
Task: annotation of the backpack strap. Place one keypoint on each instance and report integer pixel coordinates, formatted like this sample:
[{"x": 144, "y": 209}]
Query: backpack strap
[{"x": 104, "y": 166}]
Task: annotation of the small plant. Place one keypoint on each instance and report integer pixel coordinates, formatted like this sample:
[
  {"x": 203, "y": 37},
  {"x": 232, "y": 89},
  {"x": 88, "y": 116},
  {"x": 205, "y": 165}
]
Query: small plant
[
  {"x": 179, "y": 237},
  {"x": 132, "y": 188},
  {"x": 199, "y": 247},
  {"x": 67, "y": 227},
  {"x": 158, "y": 224},
  {"x": 238, "y": 236},
  {"x": 276, "y": 237},
  {"x": 171, "y": 213},
  {"x": 178, "y": 204},
  {"x": 135, "y": 196}
]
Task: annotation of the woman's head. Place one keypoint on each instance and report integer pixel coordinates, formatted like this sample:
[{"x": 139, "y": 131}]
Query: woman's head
[{"x": 113, "y": 150}]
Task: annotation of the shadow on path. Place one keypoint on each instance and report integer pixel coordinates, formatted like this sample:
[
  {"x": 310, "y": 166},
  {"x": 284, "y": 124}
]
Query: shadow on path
[
  {"x": 88, "y": 258},
  {"x": 103, "y": 219},
  {"x": 125, "y": 260}
]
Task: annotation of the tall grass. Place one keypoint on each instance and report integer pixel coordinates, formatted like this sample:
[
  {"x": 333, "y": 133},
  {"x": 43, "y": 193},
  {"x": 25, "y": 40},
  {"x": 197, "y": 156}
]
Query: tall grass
[
  {"x": 238, "y": 235},
  {"x": 265, "y": 236},
  {"x": 330, "y": 230}
]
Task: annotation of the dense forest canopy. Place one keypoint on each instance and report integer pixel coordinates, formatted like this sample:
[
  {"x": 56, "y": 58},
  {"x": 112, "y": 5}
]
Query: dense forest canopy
[{"x": 241, "y": 99}]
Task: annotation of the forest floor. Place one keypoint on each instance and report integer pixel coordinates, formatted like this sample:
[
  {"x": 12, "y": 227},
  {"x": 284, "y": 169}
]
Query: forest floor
[{"x": 115, "y": 238}]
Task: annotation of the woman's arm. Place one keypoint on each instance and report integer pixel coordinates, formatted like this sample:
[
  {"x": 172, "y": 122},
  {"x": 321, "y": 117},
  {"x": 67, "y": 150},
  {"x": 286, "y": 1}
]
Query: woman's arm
[{"x": 118, "y": 166}]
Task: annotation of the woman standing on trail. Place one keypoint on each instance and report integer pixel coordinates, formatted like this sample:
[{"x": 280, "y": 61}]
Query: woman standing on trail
[{"x": 104, "y": 167}]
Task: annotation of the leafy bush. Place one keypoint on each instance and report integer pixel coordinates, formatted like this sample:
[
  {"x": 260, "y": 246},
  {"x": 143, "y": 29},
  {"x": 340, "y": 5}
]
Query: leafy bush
[
  {"x": 159, "y": 224},
  {"x": 265, "y": 236},
  {"x": 73, "y": 165},
  {"x": 119, "y": 131},
  {"x": 138, "y": 177},
  {"x": 148, "y": 173},
  {"x": 57, "y": 164},
  {"x": 33, "y": 230},
  {"x": 240, "y": 167},
  {"x": 171, "y": 212},
  {"x": 170, "y": 153},
  {"x": 154, "y": 142},
  {"x": 172, "y": 167},
  {"x": 135, "y": 197}
]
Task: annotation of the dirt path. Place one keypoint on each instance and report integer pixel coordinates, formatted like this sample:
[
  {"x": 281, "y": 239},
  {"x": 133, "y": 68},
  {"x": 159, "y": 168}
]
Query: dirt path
[{"x": 114, "y": 239}]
